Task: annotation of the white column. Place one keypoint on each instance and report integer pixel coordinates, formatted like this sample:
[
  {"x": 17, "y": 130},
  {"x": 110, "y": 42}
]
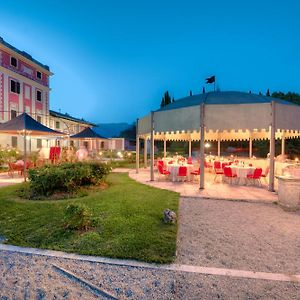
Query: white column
[
  {"x": 283, "y": 144},
  {"x": 145, "y": 152},
  {"x": 137, "y": 147},
  {"x": 190, "y": 148},
  {"x": 202, "y": 137},
  {"x": 165, "y": 147},
  {"x": 272, "y": 149},
  {"x": 152, "y": 148},
  {"x": 219, "y": 148},
  {"x": 250, "y": 147}
]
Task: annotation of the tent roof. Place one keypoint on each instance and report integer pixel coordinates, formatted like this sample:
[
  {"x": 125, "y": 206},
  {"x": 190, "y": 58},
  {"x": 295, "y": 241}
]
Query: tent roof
[
  {"x": 87, "y": 133},
  {"x": 228, "y": 97},
  {"x": 26, "y": 123}
]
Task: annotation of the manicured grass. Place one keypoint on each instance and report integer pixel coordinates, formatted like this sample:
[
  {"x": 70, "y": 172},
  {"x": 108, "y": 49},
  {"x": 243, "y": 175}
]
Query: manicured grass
[{"x": 129, "y": 215}]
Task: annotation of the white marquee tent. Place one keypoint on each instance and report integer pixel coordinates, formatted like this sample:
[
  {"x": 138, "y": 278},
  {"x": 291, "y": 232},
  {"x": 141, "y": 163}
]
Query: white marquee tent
[{"x": 221, "y": 116}]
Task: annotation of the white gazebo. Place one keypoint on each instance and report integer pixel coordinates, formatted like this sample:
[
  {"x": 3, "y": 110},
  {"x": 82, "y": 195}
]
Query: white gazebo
[{"x": 220, "y": 116}]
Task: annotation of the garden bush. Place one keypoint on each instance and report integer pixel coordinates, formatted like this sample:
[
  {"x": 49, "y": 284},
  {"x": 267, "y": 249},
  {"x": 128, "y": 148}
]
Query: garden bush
[
  {"x": 77, "y": 217},
  {"x": 65, "y": 178}
]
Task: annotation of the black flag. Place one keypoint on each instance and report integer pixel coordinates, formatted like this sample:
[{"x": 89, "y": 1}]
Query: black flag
[{"x": 211, "y": 79}]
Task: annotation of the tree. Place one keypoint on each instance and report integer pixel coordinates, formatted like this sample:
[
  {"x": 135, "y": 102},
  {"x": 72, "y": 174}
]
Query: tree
[
  {"x": 173, "y": 100},
  {"x": 166, "y": 99},
  {"x": 203, "y": 90},
  {"x": 290, "y": 96},
  {"x": 268, "y": 93},
  {"x": 191, "y": 93},
  {"x": 259, "y": 93}
]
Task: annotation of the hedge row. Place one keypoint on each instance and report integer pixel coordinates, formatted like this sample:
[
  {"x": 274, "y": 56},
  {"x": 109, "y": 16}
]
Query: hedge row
[{"x": 67, "y": 177}]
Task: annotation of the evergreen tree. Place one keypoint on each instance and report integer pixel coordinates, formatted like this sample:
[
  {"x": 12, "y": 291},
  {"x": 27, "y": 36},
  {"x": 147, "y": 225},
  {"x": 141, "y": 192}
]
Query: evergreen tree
[
  {"x": 203, "y": 90},
  {"x": 259, "y": 93},
  {"x": 191, "y": 93},
  {"x": 268, "y": 93},
  {"x": 166, "y": 99},
  {"x": 173, "y": 100},
  {"x": 250, "y": 92},
  {"x": 162, "y": 103}
]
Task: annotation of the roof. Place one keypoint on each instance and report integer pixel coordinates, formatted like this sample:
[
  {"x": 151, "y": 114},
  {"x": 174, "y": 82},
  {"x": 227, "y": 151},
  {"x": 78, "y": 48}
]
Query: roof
[
  {"x": 87, "y": 133},
  {"x": 26, "y": 123},
  {"x": 24, "y": 54},
  {"x": 68, "y": 117},
  {"x": 228, "y": 97}
]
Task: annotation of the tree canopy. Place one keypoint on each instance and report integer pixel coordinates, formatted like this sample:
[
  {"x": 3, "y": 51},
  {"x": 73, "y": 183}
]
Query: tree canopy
[{"x": 166, "y": 99}]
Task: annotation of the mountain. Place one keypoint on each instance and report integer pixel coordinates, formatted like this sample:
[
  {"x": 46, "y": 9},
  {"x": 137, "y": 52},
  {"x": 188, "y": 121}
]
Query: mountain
[{"x": 110, "y": 130}]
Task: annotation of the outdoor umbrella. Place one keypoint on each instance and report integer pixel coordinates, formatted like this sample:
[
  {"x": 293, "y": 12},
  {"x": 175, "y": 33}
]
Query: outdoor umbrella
[{"x": 26, "y": 125}]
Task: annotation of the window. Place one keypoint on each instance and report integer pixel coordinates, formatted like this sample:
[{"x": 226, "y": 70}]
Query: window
[
  {"x": 38, "y": 95},
  {"x": 72, "y": 143},
  {"x": 14, "y": 141},
  {"x": 39, "y": 143},
  {"x": 13, "y": 114},
  {"x": 13, "y": 62},
  {"x": 102, "y": 145},
  {"x": 38, "y": 75},
  {"x": 15, "y": 86},
  {"x": 39, "y": 119},
  {"x": 27, "y": 92},
  {"x": 57, "y": 125}
]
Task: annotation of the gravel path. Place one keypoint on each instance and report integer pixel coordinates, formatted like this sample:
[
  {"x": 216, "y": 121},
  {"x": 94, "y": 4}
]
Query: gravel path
[
  {"x": 239, "y": 235},
  {"x": 27, "y": 276}
]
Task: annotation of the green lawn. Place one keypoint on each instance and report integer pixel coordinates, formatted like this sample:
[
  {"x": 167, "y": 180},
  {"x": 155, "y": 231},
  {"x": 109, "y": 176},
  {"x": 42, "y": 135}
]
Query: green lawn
[{"x": 129, "y": 216}]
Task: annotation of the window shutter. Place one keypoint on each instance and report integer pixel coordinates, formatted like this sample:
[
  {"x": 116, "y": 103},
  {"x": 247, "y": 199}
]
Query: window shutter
[{"x": 18, "y": 87}]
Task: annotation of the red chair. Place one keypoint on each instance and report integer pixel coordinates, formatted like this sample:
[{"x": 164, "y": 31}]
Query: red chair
[
  {"x": 266, "y": 173},
  {"x": 217, "y": 165},
  {"x": 160, "y": 162},
  {"x": 208, "y": 165},
  {"x": 225, "y": 164},
  {"x": 170, "y": 162},
  {"x": 182, "y": 172},
  {"x": 162, "y": 171},
  {"x": 255, "y": 177},
  {"x": 228, "y": 174},
  {"x": 190, "y": 160},
  {"x": 195, "y": 173}
]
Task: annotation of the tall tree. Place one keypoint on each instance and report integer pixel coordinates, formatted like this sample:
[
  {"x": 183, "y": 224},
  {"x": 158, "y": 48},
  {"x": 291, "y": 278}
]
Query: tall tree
[
  {"x": 290, "y": 96},
  {"x": 268, "y": 93},
  {"x": 203, "y": 90},
  {"x": 166, "y": 99},
  {"x": 173, "y": 100},
  {"x": 191, "y": 93}
]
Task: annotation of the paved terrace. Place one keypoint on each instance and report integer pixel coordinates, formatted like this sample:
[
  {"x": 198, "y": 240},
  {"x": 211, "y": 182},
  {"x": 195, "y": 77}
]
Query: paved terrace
[{"x": 213, "y": 190}]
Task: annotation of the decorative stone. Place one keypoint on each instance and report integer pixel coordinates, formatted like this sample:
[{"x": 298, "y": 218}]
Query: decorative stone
[{"x": 169, "y": 216}]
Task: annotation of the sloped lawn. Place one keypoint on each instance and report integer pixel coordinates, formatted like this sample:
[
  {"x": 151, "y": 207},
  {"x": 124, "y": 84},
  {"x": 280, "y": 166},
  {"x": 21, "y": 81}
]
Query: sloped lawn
[{"x": 129, "y": 218}]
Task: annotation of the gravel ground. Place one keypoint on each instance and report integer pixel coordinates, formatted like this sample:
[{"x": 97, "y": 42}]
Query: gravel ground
[
  {"x": 26, "y": 276},
  {"x": 239, "y": 235}
]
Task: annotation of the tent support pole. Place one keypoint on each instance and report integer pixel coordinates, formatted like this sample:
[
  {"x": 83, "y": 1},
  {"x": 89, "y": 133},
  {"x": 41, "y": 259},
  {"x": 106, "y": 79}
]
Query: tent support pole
[
  {"x": 25, "y": 156},
  {"x": 272, "y": 149},
  {"x": 283, "y": 144},
  {"x": 250, "y": 147},
  {"x": 165, "y": 147},
  {"x": 145, "y": 153},
  {"x": 219, "y": 148},
  {"x": 202, "y": 137},
  {"x": 137, "y": 148},
  {"x": 152, "y": 148},
  {"x": 190, "y": 147}
]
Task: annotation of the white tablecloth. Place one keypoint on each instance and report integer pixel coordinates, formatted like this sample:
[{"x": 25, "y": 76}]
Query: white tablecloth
[
  {"x": 241, "y": 173},
  {"x": 173, "y": 169}
]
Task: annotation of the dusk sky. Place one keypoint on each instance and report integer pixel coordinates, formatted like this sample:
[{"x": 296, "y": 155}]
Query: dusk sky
[{"x": 113, "y": 60}]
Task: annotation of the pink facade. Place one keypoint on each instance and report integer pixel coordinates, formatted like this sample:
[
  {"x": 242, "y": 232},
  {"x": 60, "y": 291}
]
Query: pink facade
[
  {"x": 24, "y": 69},
  {"x": 22, "y": 82}
]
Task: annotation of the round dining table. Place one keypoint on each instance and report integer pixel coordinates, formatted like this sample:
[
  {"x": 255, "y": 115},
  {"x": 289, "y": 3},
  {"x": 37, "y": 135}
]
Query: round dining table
[
  {"x": 241, "y": 172},
  {"x": 173, "y": 169}
]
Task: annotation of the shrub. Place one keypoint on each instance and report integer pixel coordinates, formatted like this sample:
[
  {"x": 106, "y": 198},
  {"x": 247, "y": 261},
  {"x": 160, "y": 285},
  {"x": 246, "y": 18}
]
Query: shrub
[
  {"x": 77, "y": 217},
  {"x": 66, "y": 178}
]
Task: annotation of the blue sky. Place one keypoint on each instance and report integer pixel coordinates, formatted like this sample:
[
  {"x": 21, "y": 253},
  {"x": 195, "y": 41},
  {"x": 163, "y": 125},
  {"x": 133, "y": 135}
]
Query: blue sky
[{"x": 113, "y": 60}]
